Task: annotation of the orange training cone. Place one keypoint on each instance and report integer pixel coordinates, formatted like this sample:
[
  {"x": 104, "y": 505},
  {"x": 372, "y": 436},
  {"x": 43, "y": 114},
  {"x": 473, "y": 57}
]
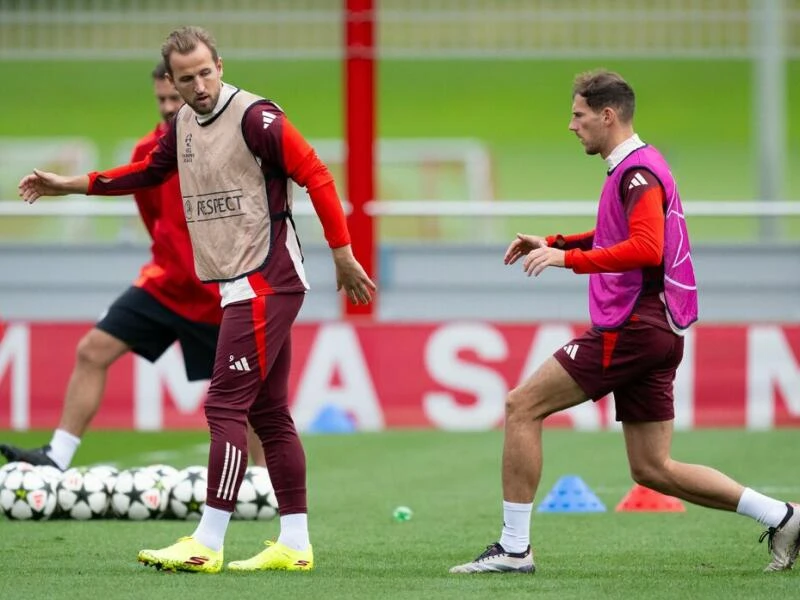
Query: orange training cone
[{"x": 643, "y": 499}]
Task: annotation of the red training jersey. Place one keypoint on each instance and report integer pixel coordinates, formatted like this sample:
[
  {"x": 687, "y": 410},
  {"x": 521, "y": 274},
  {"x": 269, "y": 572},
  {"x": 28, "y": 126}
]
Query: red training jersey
[{"x": 169, "y": 276}]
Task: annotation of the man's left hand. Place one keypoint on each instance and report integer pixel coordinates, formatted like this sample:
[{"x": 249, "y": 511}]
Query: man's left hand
[
  {"x": 351, "y": 277},
  {"x": 539, "y": 259}
]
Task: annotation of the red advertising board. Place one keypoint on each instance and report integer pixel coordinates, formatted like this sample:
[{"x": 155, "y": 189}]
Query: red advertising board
[{"x": 452, "y": 375}]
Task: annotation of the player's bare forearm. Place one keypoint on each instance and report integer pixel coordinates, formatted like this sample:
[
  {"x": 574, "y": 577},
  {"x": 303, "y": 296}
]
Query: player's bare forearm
[
  {"x": 76, "y": 184},
  {"x": 41, "y": 183},
  {"x": 343, "y": 253}
]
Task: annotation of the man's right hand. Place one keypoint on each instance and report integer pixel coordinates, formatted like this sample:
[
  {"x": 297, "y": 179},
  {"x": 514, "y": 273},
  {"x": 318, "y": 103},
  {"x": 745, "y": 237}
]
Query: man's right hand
[
  {"x": 41, "y": 183},
  {"x": 521, "y": 245}
]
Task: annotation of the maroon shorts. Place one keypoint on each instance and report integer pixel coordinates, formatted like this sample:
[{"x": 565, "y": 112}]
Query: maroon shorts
[{"x": 637, "y": 363}]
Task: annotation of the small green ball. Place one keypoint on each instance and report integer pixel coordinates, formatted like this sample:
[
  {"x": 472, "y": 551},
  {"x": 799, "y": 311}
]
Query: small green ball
[{"x": 402, "y": 514}]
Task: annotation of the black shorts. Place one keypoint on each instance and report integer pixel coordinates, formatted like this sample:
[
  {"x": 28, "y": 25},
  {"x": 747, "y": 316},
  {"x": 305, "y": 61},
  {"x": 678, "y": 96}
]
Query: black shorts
[{"x": 149, "y": 328}]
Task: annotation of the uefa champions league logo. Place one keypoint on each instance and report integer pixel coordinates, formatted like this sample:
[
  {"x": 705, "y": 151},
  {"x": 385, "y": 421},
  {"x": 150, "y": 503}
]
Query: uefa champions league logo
[{"x": 187, "y": 155}]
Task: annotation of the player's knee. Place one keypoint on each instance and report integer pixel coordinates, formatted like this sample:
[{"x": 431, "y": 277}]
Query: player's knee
[
  {"x": 220, "y": 415},
  {"x": 271, "y": 423},
  {"x": 521, "y": 404},
  {"x": 649, "y": 474},
  {"x": 91, "y": 352},
  {"x": 216, "y": 406}
]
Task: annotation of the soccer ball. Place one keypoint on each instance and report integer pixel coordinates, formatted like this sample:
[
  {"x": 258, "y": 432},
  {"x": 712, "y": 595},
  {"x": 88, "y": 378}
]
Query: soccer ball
[
  {"x": 165, "y": 474},
  {"x": 8, "y": 467},
  {"x": 187, "y": 497},
  {"x": 26, "y": 494},
  {"x": 107, "y": 474},
  {"x": 82, "y": 495},
  {"x": 137, "y": 495},
  {"x": 256, "y": 498},
  {"x": 52, "y": 474}
]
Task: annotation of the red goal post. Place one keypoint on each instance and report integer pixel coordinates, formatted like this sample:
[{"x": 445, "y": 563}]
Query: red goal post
[{"x": 359, "y": 73}]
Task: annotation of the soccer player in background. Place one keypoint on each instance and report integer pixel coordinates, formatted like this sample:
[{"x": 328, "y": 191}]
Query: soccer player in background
[
  {"x": 235, "y": 153},
  {"x": 642, "y": 300},
  {"x": 166, "y": 303}
]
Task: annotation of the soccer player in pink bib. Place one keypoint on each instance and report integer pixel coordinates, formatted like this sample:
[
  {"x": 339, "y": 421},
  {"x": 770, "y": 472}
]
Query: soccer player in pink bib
[{"x": 642, "y": 299}]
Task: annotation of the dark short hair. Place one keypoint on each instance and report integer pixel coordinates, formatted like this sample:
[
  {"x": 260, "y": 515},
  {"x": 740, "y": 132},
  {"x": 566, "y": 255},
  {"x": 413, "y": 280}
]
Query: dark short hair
[
  {"x": 603, "y": 89},
  {"x": 184, "y": 40},
  {"x": 160, "y": 71}
]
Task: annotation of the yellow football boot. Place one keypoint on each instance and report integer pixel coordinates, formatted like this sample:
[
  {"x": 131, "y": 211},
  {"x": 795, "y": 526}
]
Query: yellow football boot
[
  {"x": 187, "y": 554},
  {"x": 276, "y": 557}
]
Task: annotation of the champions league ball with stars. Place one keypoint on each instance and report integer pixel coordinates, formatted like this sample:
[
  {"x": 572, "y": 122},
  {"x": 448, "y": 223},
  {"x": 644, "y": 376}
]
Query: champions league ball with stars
[
  {"x": 26, "y": 494},
  {"x": 138, "y": 495},
  {"x": 82, "y": 495},
  {"x": 187, "y": 496}
]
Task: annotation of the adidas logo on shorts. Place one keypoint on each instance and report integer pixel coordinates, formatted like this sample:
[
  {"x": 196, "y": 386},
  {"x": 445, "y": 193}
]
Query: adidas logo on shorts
[
  {"x": 571, "y": 350},
  {"x": 239, "y": 365}
]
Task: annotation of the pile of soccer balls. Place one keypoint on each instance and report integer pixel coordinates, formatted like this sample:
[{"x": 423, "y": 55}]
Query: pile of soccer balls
[{"x": 158, "y": 491}]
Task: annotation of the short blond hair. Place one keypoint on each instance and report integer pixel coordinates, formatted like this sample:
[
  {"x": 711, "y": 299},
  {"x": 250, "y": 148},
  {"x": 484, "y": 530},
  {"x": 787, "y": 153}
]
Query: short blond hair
[{"x": 184, "y": 40}]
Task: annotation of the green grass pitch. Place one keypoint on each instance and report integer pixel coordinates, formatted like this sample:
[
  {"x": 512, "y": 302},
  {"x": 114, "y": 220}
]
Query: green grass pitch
[{"x": 452, "y": 482}]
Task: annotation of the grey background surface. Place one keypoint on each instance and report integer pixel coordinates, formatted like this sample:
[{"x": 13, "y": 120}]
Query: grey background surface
[{"x": 417, "y": 283}]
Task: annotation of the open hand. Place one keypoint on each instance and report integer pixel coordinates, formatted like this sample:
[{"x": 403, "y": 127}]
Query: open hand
[
  {"x": 521, "y": 245},
  {"x": 41, "y": 183}
]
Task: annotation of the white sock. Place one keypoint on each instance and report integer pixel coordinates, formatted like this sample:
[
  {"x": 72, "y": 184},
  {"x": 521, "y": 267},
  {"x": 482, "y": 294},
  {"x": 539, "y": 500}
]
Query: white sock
[
  {"x": 294, "y": 531},
  {"x": 212, "y": 526},
  {"x": 62, "y": 448},
  {"x": 516, "y": 526},
  {"x": 765, "y": 510}
]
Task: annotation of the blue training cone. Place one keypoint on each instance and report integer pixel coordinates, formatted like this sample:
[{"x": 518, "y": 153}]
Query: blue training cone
[
  {"x": 570, "y": 494},
  {"x": 332, "y": 419}
]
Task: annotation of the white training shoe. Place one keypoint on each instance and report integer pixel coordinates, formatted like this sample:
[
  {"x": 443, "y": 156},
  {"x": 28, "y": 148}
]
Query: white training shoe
[
  {"x": 783, "y": 541},
  {"x": 496, "y": 560}
]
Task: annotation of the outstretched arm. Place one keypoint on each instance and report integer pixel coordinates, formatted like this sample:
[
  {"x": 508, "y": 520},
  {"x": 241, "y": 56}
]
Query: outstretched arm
[
  {"x": 524, "y": 244},
  {"x": 644, "y": 246},
  {"x": 153, "y": 170},
  {"x": 41, "y": 183}
]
